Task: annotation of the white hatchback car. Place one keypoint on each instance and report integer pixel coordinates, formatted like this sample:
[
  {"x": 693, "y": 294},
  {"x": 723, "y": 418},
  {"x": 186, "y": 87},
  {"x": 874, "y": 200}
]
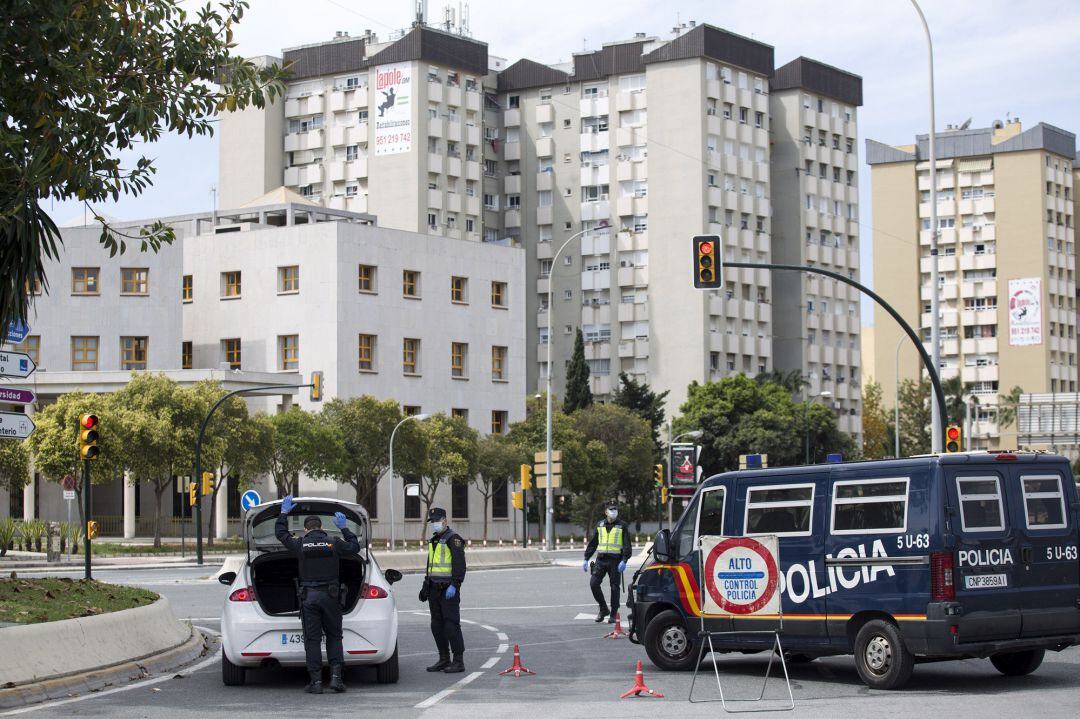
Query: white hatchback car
[{"x": 260, "y": 624}]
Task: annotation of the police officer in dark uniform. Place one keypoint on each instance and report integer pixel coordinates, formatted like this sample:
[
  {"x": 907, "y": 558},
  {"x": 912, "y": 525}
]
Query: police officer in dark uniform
[
  {"x": 442, "y": 591},
  {"x": 320, "y": 608},
  {"x": 611, "y": 542}
]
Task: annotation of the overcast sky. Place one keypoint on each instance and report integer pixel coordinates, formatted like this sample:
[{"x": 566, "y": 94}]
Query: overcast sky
[{"x": 993, "y": 58}]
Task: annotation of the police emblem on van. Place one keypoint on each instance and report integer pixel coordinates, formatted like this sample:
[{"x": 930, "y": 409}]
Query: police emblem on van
[{"x": 985, "y": 557}]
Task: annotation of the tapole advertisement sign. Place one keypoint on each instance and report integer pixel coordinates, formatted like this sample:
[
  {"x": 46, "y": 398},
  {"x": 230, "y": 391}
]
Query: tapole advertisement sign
[
  {"x": 393, "y": 110},
  {"x": 1025, "y": 312},
  {"x": 683, "y": 464}
]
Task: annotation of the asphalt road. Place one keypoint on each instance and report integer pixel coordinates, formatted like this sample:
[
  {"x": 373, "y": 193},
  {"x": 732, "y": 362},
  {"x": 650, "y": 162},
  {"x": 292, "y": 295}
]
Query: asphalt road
[{"x": 579, "y": 674}]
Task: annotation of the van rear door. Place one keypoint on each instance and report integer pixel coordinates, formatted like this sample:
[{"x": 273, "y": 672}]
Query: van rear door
[
  {"x": 1048, "y": 572},
  {"x": 987, "y": 551}
]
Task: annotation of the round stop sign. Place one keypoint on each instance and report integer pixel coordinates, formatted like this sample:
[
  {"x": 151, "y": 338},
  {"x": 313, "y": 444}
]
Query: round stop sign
[{"x": 69, "y": 483}]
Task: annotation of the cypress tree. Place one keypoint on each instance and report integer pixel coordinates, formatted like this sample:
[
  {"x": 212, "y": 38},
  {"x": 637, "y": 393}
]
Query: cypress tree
[{"x": 578, "y": 394}]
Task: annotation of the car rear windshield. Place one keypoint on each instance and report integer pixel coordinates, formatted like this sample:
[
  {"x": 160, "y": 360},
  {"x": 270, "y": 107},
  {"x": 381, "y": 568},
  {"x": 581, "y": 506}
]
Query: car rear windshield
[{"x": 262, "y": 533}]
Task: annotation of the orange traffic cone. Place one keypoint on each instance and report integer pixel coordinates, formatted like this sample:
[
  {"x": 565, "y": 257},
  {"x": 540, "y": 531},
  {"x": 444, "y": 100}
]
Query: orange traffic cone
[
  {"x": 617, "y": 632},
  {"x": 517, "y": 668},
  {"x": 639, "y": 686}
]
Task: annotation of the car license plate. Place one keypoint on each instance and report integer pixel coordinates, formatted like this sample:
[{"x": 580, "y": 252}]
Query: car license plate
[
  {"x": 291, "y": 638},
  {"x": 985, "y": 581}
]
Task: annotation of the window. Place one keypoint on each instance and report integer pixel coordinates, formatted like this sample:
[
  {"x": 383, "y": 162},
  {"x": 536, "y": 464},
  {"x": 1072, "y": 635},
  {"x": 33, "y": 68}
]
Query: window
[
  {"x": 84, "y": 353},
  {"x": 366, "y": 279},
  {"x": 460, "y": 413},
  {"x": 412, "y": 503},
  {"x": 498, "y": 363},
  {"x": 1044, "y": 501},
  {"x": 230, "y": 350},
  {"x": 366, "y": 353},
  {"x": 31, "y": 346},
  {"x": 499, "y": 505},
  {"x": 980, "y": 504},
  {"x": 352, "y": 152},
  {"x": 498, "y": 421},
  {"x": 498, "y": 294},
  {"x": 682, "y": 540},
  {"x": 459, "y": 501},
  {"x": 187, "y": 289},
  {"x": 230, "y": 284},
  {"x": 133, "y": 352},
  {"x": 459, "y": 290},
  {"x": 711, "y": 518},
  {"x": 410, "y": 356},
  {"x": 134, "y": 281},
  {"x": 185, "y": 355},
  {"x": 288, "y": 279},
  {"x": 288, "y": 352},
  {"x": 410, "y": 410},
  {"x": 781, "y": 510},
  {"x": 459, "y": 360},
  {"x": 410, "y": 283},
  {"x": 870, "y": 506},
  {"x": 84, "y": 281}
]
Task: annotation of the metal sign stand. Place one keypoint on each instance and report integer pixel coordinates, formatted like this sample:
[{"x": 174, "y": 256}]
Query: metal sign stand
[{"x": 777, "y": 651}]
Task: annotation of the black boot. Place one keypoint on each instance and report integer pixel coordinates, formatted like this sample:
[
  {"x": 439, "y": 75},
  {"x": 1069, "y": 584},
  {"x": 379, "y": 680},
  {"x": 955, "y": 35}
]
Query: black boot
[
  {"x": 315, "y": 685},
  {"x": 611, "y": 618},
  {"x": 603, "y": 613},
  {"x": 443, "y": 663},
  {"x": 457, "y": 666},
  {"x": 336, "y": 682}
]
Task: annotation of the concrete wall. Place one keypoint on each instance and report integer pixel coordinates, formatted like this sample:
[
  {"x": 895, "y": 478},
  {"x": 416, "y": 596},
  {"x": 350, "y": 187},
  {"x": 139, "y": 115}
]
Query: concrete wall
[{"x": 250, "y": 150}]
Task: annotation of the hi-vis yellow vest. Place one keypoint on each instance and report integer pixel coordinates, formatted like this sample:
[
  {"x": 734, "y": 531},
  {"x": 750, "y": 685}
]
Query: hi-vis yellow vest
[
  {"x": 609, "y": 540},
  {"x": 439, "y": 562}
]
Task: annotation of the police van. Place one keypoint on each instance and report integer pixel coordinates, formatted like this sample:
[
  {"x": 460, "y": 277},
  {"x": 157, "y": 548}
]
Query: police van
[{"x": 893, "y": 561}]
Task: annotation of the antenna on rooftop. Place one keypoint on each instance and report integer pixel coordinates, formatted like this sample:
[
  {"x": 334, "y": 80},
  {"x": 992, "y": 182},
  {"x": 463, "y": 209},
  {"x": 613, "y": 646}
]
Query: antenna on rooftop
[{"x": 421, "y": 13}]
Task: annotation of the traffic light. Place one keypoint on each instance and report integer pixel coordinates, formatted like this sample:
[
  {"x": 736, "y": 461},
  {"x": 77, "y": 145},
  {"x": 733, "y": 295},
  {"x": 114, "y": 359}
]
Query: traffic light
[
  {"x": 708, "y": 262},
  {"x": 91, "y": 529},
  {"x": 316, "y": 387},
  {"x": 663, "y": 495},
  {"x": 526, "y": 477},
  {"x": 952, "y": 439},
  {"x": 191, "y": 490},
  {"x": 207, "y": 483},
  {"x": 88, "y": 436},
  {"x": 658, "y": 475},
  {"x": 518, "y": 503}
]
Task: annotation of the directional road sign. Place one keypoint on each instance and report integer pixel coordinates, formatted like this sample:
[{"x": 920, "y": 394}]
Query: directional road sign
[
  {"x": 15, "y": 425},
  {"x": 249, "y": 499},
  {"x": 16, "y": 364},
  {"x": 16, "y": 331},
  {"x": 17, "y": 396}
]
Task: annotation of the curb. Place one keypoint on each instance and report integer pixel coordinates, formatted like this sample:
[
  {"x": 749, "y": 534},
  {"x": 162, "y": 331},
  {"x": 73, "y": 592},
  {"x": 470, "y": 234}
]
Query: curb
[{"x": 92, "y": 681}]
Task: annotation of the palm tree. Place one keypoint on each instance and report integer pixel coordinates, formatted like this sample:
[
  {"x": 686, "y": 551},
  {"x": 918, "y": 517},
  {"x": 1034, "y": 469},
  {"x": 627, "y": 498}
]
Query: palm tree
[{"x": 1007, "y": 406}]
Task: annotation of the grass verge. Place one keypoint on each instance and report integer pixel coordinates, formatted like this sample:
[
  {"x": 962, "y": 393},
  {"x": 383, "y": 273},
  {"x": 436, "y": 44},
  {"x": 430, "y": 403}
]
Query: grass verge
[{"x": 29, "y": 601}]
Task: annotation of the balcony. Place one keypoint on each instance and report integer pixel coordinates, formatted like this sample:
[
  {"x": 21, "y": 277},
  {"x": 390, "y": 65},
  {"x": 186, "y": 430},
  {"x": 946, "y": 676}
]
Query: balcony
[
  {"x": 472, "y": 170},
  {"x": 435, "y": 199},
  {"x": 512, "y": 118},
  {"x": 545, "y": 181},
  {"x": 595, "y": 210},
  {"x": 630, "y": 206},
  {"x": 435, "y": 163},
  {"x": 512, "y": 184},
  {"x": 545, "y": 147},
  {"x": 598, "y": 174},
  {"x": 543, "y": 215},
  {"x": 594, "y": 106},
  {"x": 297, "y": 141},
  {"x": 512, "y": 218},
  {"x": 512, "y": 151},
  {"x": 304, "y": 175},
  {"x": 545, "y": 113},
  {"x": 435, "y": 91},
  {"x": 594, "y": 141},
  {"x": 453, "y": 96}
]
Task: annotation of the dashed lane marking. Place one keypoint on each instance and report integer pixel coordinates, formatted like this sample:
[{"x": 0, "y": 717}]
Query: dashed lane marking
[
  {"x": 501, "y": 636},
  {"x": 502, "y": 649},
  {"x": 490, "y": 663},
  {"x": 439, "y": 696}
]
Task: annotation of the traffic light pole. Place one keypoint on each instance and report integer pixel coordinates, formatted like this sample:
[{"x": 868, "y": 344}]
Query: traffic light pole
[
  {"x": 197, "y": 476},
  {"x": 86, "y": 527}
]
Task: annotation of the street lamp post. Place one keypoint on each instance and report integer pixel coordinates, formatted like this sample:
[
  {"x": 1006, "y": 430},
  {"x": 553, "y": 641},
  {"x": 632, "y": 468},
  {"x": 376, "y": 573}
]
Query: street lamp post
[
  {"x": 896, "y": 399},
  {"x": 549, "y": 495},
  {"x": 393, "y": 515},
  {"x": 806, "y": 418},
  {"x": 935, "y": 291}
]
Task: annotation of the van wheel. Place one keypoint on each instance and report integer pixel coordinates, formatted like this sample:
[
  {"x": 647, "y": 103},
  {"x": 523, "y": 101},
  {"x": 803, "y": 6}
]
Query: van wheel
[
  {"x": 387, "y": 672},
  {"x": 882, "y": 659},
  {"x": 668, "y": 642},
  {"x": 232, "y": 675},
  {"x": 1018, "y": 664}
]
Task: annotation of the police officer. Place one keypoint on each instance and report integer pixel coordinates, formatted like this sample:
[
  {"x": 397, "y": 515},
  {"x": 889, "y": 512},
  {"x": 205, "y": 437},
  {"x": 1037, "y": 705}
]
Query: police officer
[
  {"x": 320, "y": 609},
  {"x": 611, "y": 542},
  {"x": 442, "y": 591}
]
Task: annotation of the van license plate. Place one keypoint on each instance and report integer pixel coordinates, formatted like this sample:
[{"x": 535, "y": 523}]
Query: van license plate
[
  {"x": 985, "y": 581},
  {"x": 294, "y": 638}
]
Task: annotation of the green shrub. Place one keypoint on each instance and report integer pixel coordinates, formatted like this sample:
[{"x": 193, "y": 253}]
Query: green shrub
[{"x": 8, "y": 529}]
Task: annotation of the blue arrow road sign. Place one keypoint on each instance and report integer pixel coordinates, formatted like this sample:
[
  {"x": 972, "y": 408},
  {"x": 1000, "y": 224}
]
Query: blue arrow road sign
[
  {"x": 16, "y": 331},
  {"x": 249, "y": 499}
]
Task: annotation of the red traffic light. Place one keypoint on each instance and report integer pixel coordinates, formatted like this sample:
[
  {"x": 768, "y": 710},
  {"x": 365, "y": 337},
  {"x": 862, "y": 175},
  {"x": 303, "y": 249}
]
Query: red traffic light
[
  {"x": 88, "y": 421},
  {"x": 953, "y": 433},
  {"x": 705, "y": 248}
]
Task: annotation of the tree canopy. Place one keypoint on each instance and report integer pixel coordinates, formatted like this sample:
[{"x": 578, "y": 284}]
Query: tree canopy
[
  {"x": 642, "y": 401},
  {"x": 578, "y": 392}
]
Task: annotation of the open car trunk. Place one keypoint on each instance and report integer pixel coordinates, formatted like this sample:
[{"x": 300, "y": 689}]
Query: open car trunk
[{"x": 274, "y": 578}]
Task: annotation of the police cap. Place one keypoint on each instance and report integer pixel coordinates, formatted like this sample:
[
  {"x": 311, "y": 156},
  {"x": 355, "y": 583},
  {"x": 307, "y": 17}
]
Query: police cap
[
  {"x": 312, "y": 522},
  {"x": 611, "y": 504},
  {"x": 435, "y": 514}
]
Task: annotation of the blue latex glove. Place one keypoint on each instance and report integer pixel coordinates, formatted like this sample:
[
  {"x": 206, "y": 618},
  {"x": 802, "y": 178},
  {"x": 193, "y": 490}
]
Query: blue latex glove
[
  {"x": 451, "y": 592},
  {"x": 622, "y": 566},
  {"x": 339, "y": 520},
  {"x": 585, "y": 566},
  {"x": 287, "y": 504}
]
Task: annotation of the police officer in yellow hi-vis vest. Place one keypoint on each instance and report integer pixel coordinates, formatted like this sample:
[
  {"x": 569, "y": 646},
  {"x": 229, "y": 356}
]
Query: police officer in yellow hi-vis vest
[
  {"x": 442, "y": 592},
  {"x": 611, "y": 542}
]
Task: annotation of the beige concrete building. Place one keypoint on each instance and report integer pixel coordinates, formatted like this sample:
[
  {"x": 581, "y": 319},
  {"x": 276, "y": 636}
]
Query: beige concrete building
[{"x": 1007, "y": 262}]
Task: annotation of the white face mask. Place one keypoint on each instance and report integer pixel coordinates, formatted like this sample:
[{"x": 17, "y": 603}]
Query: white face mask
[
  {"x": 612, "y": 514},
  {"x": 437, "y": 527}
]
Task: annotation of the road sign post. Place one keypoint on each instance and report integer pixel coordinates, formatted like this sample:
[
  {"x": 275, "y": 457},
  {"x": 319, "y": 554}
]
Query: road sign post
[{"x": 86, "y": 505}]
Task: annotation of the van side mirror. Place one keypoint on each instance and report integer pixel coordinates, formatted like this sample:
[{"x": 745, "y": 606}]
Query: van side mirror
[
  {"x": 391, "y": 576},
  {"x": 227, "y": 578},
  {"x": 662, "y": 546}
]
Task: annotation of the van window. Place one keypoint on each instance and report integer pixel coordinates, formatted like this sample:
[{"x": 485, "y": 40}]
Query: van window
[
  {"x": 1044, "y": 501},
  {"x": 711, "y": 519},
  {"x": 683, "y": 541},
  {"x": 980, "y": 504},
  {"x": 870, "y": 506},
  {"x": 781, "y": 510}
]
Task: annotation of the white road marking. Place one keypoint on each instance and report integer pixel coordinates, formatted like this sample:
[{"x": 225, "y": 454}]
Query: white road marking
[
  {"x": 501, "y": 636},
  {"x": 436, "y": 698},
  {"x": 502, "y": 648},
  {"x": 583, "y": 615},
  {"x": 489, "y": 627},
  {"x": 469, "y": 621},
  {"x": 490, "y": 663},
  {"x": 209, "y": 661}
]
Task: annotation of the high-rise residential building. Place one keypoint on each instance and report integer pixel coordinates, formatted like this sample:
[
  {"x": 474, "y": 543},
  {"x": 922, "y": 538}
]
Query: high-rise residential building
[
  {"x": 815, "y": 183},
  {"x": 1006, "y": 261}
]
